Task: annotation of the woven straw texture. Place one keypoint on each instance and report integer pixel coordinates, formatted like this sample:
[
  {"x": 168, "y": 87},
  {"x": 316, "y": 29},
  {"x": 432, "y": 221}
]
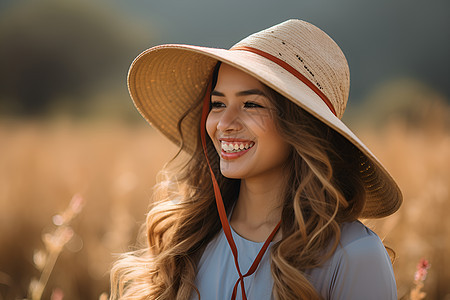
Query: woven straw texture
[{"x": 168, "y": 82}]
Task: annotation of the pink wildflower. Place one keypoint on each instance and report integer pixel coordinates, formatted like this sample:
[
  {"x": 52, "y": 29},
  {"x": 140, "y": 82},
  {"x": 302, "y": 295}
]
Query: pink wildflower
[
  {"x": 77, "y": 203},
  {"x": 422, "y": 270},
  {"x": 57, "y": 294}
]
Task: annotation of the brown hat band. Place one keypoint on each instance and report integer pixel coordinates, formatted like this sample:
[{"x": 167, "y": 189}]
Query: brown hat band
[{"x": 291, "y": 70}]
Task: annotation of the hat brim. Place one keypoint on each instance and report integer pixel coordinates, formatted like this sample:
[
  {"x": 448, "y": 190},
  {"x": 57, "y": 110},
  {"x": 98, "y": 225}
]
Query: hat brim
[{"x": 164, "y": 80}]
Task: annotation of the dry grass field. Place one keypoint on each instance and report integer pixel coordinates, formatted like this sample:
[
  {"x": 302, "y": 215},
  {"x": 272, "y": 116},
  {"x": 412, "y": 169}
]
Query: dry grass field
[{"x": 113, "y": 166}]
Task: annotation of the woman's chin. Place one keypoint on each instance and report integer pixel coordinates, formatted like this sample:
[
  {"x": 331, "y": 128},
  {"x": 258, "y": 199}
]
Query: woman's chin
[
  {"x": 229, "y": 172},
  {"x": 231, "y": 175}
]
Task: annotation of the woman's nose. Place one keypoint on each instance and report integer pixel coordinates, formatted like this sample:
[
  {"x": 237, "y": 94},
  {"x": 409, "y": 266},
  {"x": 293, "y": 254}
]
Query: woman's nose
[{"x": 229, "y": 121}]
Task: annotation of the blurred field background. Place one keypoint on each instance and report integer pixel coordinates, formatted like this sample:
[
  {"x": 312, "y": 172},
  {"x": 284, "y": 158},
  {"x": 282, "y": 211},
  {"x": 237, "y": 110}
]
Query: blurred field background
[{"x": 67, "y": 125}]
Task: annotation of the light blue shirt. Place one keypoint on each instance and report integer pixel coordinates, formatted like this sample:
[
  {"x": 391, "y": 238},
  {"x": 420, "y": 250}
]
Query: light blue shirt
[{"x": 360, "y": 268}]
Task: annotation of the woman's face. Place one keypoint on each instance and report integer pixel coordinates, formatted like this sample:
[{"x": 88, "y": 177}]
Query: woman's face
[{"x": 242, "y": 128}]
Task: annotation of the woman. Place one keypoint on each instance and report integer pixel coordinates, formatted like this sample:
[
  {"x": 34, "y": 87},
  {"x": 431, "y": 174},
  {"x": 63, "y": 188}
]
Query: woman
[{"x": 268, "y": 202}]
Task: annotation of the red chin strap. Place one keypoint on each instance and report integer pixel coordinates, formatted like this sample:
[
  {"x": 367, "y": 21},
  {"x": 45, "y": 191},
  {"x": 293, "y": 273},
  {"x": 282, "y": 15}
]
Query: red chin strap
[{"x": 221, "y": 209}]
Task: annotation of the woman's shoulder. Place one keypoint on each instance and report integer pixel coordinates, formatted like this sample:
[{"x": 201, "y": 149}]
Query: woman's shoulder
[
  {"x": 360, "y": 268},
  {"x": 360, "y": 249},
  {"x": 356, "y": 237}
]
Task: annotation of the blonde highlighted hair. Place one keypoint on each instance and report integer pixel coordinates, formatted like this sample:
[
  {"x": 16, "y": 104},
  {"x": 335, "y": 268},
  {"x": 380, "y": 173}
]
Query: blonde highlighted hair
[{"x": 324, "y": 191}]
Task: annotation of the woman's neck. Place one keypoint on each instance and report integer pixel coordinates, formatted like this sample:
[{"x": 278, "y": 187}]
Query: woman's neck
[{"x": 258, "y": 208}]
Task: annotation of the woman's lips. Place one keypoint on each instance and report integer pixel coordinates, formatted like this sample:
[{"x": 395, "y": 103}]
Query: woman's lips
[{"x": 233, "y": 148}]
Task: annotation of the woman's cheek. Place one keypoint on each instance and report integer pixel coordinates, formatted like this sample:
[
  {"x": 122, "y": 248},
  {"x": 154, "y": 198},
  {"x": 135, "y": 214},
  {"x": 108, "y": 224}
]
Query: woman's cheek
[{"x": 210, "y": 126}]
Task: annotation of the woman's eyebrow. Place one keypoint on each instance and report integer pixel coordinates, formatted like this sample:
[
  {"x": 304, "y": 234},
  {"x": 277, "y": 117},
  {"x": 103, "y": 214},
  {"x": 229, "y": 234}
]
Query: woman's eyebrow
[
  {"x": 251, "y": 92},
  {"x": 241, "y": 93},
  {"x": 217, "y": 93}
]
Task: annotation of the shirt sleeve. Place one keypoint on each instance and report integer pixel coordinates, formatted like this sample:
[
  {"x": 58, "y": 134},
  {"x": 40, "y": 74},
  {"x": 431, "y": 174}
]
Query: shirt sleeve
[{"x": 363, "y": 270}]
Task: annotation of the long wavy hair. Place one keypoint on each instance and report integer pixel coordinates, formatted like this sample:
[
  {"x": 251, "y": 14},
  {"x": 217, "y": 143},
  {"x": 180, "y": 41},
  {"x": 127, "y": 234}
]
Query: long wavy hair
[{"x": 324, "y": 191}]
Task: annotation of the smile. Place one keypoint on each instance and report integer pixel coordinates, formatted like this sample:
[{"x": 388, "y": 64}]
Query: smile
[{"x": 233, "y": 147}]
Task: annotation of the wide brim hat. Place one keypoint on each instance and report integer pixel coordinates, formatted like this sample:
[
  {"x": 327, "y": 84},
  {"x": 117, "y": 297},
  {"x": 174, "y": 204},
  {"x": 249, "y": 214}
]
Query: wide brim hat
[{"x": 294, "y": 58}]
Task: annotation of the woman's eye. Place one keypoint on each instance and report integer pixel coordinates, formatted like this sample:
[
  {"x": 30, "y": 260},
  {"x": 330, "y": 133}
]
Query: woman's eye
[
  {"x": 217, "y": 104},
  {"x": 252, "y": 105}
]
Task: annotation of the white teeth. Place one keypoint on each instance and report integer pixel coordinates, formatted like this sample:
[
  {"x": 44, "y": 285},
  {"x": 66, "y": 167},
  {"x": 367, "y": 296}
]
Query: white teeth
[{"x": 236, "y": 147}]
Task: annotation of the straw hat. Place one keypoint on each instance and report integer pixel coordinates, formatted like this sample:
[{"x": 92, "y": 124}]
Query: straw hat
[{"x": 295, "y": 58}]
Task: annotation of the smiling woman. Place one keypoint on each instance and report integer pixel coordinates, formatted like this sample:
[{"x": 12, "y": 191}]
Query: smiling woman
[
  {"x": 241, "y": 126},
  {"x": 269, "y": 200}
]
